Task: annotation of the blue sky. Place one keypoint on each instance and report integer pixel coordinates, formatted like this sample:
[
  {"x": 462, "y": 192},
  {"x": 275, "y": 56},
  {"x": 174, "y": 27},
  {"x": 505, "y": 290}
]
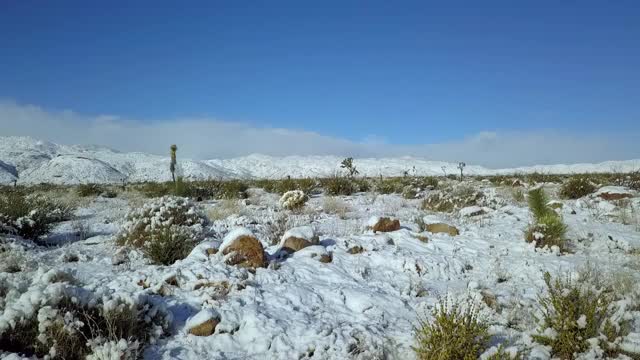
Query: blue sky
[{"x": 402, "y": 73}]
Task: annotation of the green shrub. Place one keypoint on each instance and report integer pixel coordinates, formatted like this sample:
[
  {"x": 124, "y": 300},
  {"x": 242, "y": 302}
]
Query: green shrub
[
  {"x": 86, "y": 190},
  {"x": 29, "y": 216},
  {"x": 455, "y": 333},
  {"x": 448, "y": 201},
  {"x": 547, "y": 228},
  {"x": 577, "y": 312},
  {"x": 338, "y": 185},
  {"x": 577, "y": 187}
]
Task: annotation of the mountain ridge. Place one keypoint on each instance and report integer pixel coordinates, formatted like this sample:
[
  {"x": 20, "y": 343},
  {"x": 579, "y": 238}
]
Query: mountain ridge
[{"x": 30, "y": 161}]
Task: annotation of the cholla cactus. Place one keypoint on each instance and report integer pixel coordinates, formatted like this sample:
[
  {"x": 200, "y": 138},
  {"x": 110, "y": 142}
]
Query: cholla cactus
[
  {"x": 292, "y": 200},
  {"x": 172, "y": 167}
]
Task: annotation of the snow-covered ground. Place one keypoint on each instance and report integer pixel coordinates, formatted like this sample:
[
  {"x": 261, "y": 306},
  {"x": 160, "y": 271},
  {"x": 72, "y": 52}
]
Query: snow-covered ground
[
  {"x": 32, "y": 162},
  {"x": 361, "y": 304}
]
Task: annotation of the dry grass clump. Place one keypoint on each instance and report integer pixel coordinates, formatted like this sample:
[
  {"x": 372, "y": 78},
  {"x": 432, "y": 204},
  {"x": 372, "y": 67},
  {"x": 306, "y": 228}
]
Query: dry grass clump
[
  {"x": 11, "y": 261},
  {"x": 29, "y": 216},
  {"x": 166, "y": 229},
  {"x": 455, "y": 333},
  {"x": 575, "y": 312},
  {"x": 224, "y": 209},
  {"x": 577, "y": 187},
  {"x": 548, "y": 228},
  {"x": 86, "y": 190},
  {"x": 335, "y": 205}
]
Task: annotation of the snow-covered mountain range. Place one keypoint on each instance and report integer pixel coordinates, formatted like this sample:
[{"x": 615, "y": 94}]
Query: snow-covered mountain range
[{"x": 31, "y": 161}]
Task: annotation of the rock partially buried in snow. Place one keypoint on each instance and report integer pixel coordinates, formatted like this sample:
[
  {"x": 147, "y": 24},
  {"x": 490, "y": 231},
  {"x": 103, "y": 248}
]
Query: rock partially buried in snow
[
  {"x": 472, "y": 211},
  {"x": 383, "y": 224},
  {"x": 614, "y": 193},
  {"x": 298, "y": 238},
  {"x": 443, "y": 228},
  {"x": 242, "y": 248},
  {"x": 203, "y": 323}
]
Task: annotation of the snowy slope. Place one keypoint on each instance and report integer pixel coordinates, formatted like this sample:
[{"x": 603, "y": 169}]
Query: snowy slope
[{"x": 36, "y": 161}]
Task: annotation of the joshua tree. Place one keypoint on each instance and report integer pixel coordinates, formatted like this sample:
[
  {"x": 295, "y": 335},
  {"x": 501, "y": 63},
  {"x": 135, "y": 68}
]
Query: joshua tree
[
  {"x": 348, "y": 164},
  {"x": 444, "y": 170},
  {"x": 172, "y": 167},
  {"x": 461, "y": 166}
]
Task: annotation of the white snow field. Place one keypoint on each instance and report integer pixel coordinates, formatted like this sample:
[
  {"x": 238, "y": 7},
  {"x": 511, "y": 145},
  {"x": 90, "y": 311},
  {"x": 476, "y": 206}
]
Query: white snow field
[
  {"x": 359, "y": 305},
  {"x": 32, "y": 162},
  {"x": 351, "y": 294}
]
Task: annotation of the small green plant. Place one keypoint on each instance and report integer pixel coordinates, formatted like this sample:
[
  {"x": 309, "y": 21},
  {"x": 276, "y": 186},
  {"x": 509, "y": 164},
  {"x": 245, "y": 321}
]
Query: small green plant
[
  {"x": 455, "y": 333},
  {"x": 548, "y": 229},
  {"x": 338, "y": 185},
  {"x": 576, "y": 312},
  {"x": 577, "y": 187},
  {"x": 29, "y": 216}
]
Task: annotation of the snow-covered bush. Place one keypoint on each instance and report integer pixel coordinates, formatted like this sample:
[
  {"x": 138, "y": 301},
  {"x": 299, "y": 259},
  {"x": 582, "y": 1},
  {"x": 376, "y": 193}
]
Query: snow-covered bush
[
  {"x": 69, "y": 322},
  {"x": 574, "y": 314},
  {"x": 577, "y": 187},
  {"x": 448, "y": 201},
  {"x": 165, "y": 229},
  {"x": 455, "y": 333},
  {"x": 29, "y": 216},
  {"x": 293, "y": 200}
]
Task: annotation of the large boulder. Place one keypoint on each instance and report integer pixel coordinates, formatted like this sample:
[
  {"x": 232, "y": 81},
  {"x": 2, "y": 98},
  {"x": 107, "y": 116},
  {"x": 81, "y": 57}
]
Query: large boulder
[
  {"x": 242, "y": 248},
  {"x": 203, "y": 323},
  {"x": 298, "y": 238},
  {"x": 383, "y": 224}
]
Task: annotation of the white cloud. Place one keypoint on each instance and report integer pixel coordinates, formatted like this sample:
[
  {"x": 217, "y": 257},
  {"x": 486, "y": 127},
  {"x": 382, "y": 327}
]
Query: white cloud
[{"x": 210, "y": 138}]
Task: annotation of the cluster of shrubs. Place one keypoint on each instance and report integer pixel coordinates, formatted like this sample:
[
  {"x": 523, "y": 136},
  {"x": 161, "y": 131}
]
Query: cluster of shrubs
[
  {"x": 87, "y": 190},
  {"x": 338, "y": 185},
  {"x": 165, "y": 229},
  {"x": 577, "y": 318},
  {"x": 455, "y": 199},
  {"x": 548, "y": 229},
  {"x": 281, "y": 186},
  {"x": 204, "y": 189},
  {"x": 70, "y": 322},
  {"x": 408, "y": 186},
  {"x": 29, "y": 216}
]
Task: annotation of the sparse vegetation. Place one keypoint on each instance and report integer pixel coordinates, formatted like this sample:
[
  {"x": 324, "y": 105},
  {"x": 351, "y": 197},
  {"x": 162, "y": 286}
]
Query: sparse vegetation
[
  {"x": 455, "y": 333},
  {"x": 448, "y": 201},
  {"x": 335, "y": 205},
  {"x": 576, "y": 312},
  {"x": 29, "y": 216},
  {"x": 577, "y": 187},
  {"x": 86, "y": 190}
]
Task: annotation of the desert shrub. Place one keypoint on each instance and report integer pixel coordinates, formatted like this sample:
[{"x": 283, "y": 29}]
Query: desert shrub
[
  {"x": 548, "y": 229},
  {"x": 448, "y": 201},
  {"x": 156, "y": 189},
  {"x": 29, "y": 216},
  {"x": 86, "y": 190},
  {"x": 631, "y": 180},
  {"x": 455, "y": 333},
  {"x": 573, "y": 313},
  {"x": 166, "y": 229},
  {"x": 11, "y": 261},
  {"x": 518, "y": 195},
  {"x": 577, "y": 187},
  {"x": 79, "y": 323},
  {"x": 337, "y": 185},
  {"x": 502, "y": 353},
  {"x": 307, "y": 185},
  {"x": 540, "y": 178},
  {"x": 293, "y": 200},
  {"x": 390, "y": 185}
]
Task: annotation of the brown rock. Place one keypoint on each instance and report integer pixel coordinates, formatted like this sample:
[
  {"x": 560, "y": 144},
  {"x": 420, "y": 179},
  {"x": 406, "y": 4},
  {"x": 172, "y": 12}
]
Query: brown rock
[
  {"x": 326, "y": 258},
  {"x": 293, "y": 244},
  {"x": 246, "y": 252},
  {"x": 443, "y": 228},
  {"x": 385, "y": 224},
  {"x": 614, "y": 196},
  {"x": 206, "y": 328},
  {"x": 212, "y": 251},
  {"x": 355, "y": 250},
  {"x": 172, "y": 280}
]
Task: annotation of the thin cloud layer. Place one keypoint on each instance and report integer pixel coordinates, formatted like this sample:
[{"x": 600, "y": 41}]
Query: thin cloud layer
[{"x": 210, "y": 138}]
